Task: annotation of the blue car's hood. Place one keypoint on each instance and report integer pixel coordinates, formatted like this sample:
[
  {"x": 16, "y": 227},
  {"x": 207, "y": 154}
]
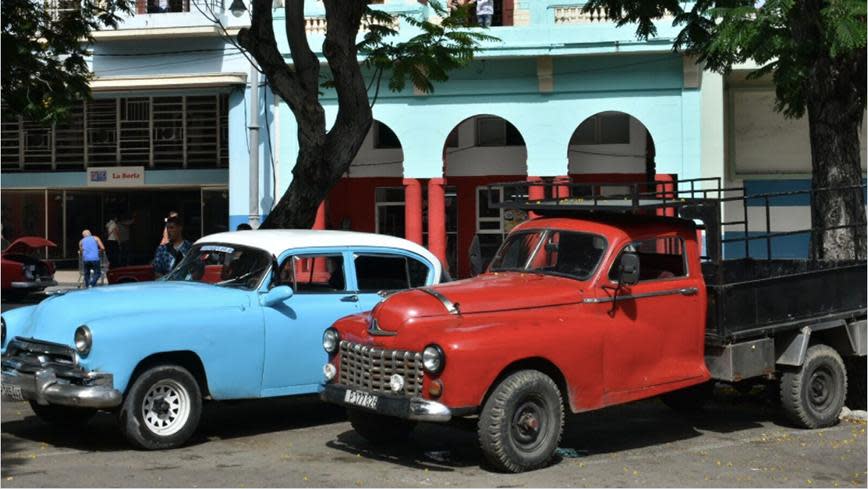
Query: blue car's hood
[{"x": 56, "y": 318}]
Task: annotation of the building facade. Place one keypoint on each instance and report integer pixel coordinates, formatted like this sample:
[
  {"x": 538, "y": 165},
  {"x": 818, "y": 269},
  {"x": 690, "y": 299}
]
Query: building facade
[{"x": 562, "y": 96}]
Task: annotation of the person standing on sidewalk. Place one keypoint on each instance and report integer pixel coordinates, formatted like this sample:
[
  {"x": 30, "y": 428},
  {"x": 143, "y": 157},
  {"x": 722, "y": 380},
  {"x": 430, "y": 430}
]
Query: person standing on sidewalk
[
  {"x": 165, "y": 238},
  {"x": 170, "y": 254},
  {"x": 90, "y": 248},
  {"x": 113, "y": 241},
  {"x": 484, "y": 12}
]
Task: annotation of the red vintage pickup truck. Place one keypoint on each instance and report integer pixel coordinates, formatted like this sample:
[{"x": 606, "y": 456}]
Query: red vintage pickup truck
[{"x": 598, "y": 304}]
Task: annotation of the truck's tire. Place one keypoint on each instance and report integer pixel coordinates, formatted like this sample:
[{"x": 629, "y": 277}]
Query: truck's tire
[
  {"x": 62, "y": 416},
  {"x": 162, "y": 408},
  {"x": 690, "y": 399},
  {"x": 812, "y": 396},
  {"x": 521, "y": 423},
  {"x": 379, "y": 429},
  {"x": 856, "y": 391}
]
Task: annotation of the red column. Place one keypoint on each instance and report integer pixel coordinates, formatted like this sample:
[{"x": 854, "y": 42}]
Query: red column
[
  {"x": 413, "y": 210},
  {"x": 437, "y": 219},
  {"x": 535, "y": 192},
  {"x": 320, "y": 221},
  {"x": 563, "y": 189}
]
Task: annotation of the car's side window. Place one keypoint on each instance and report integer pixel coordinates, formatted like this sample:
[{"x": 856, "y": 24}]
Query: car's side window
[
  {"x": 313, "y": 273},
  {"x": 659, "y": 258},
  {"x": 375, "y": 272}
]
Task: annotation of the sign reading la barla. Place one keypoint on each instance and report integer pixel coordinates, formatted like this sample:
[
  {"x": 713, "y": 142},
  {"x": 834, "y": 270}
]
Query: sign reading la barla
[{"x": 115, "y": 176}]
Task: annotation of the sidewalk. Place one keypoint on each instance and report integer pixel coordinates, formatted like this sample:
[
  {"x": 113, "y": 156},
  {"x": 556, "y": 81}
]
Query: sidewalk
[{"x": 66, "y": 279}]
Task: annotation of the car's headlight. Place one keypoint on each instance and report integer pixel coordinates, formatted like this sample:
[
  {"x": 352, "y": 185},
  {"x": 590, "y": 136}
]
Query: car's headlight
[
  {"x": 83, "y": 340},
  {"x": 3, "y": 340},
  {"x": 330, "y": 340},
  {"x": 433, "y": 359}
]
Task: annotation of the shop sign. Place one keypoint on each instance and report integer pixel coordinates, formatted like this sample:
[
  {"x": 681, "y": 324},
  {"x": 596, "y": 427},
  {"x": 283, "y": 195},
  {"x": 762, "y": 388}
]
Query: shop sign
[{"x": 115, "y": 176}]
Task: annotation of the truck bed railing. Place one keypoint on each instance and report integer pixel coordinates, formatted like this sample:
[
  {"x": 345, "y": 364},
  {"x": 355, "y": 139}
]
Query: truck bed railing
[{"x": 702, "y": 200}]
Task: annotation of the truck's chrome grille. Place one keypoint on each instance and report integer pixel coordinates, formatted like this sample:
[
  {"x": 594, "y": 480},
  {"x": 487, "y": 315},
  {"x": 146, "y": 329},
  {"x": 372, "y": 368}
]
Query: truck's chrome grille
[{"x": 371, "y": 368}]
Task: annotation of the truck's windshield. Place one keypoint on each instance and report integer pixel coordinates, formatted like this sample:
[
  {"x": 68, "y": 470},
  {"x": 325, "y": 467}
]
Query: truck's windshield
[{"x": 566, "y": 253}]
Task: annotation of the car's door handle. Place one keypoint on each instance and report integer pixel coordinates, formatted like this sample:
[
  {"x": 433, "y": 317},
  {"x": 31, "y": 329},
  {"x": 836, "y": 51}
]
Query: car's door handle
[
  {"x": 350, "y": 298},
  {"x": 688, "y": 291}
]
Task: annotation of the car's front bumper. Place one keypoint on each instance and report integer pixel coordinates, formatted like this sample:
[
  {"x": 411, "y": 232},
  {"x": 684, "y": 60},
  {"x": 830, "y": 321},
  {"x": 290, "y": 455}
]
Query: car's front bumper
[
  {"x": 414, "y": 408},
  {"x": 44, "y": 387},
  {"x": 33, "y": 284}
]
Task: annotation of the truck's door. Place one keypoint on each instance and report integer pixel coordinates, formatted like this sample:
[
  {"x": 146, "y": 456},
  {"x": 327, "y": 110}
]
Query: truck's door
[{"x": 656, "y": 327}]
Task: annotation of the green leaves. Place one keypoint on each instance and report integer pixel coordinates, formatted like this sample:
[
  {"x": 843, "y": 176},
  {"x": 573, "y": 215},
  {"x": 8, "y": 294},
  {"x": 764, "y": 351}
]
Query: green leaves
[
  {"x": 425, "y": 58},
  {"x": 44, "y": 69}
]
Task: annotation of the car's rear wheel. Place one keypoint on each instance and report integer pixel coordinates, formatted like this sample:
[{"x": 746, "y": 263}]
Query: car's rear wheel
[
  {"x": 62, "y": 416},
  {"x": 521, "y": 422},
  {"x": 379, "y": 429},
  {"x": 162, "y": 408}
]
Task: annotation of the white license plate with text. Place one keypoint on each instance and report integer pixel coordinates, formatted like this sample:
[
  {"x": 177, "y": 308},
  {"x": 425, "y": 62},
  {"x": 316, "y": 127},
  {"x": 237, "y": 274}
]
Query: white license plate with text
[
  {"x": 11, "y": 393},
  {"x": 362, "y": 399}
]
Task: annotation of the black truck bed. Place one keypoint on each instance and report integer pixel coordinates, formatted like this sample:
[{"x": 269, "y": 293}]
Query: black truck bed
[{"x": 756, "y": 298}]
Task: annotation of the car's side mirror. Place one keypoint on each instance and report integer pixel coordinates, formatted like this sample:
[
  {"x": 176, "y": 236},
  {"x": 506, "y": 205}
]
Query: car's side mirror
[
  {"x": 276, "y": 295},
  {"x": 628, "y": 272}
]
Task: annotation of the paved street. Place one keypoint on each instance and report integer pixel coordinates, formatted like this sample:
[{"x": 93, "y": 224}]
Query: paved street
[{"x": 738, "y": 441}]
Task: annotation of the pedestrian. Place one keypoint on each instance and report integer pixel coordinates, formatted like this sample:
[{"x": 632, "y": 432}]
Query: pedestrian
[
  {"x": 90, "y": 248},
  {"x": 113, "y": 241},
  {"x": 484, "y": 12},
  {"x": 124, "y": 233},
  {"x": 170, "y": 254},
  {"x": 244, "y": 227},
  {"x": 165, "y": 238}
]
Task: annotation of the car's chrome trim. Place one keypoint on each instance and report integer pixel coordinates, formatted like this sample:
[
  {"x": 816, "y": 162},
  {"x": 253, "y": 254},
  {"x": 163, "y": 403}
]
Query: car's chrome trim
[
  {"x": 45, "y": 388},
  {"x": 425, "y": 410},
  {"x": 33, "y": 284},
  {"x": 450, "y": 307},
  {"x": 682, "y": 291}
]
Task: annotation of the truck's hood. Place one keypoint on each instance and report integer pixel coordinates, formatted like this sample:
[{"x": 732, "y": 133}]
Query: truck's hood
[
  {"x": 487, "y": 293},
  {"x": 56, "y": 318}
]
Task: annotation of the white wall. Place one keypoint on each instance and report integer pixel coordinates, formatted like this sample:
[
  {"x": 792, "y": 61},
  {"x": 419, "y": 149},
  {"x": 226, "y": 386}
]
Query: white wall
[
  {"x": 762, "y": 141},
  {"x": 469, "y": 160},
  {"x": 372, "y": 162},
  {"x": 611, "y": 158}
]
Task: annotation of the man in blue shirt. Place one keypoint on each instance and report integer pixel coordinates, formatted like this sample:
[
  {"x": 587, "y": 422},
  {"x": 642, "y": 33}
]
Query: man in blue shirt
[
  {"x": 90, "y": 248},
  {"x": 170, "y": 254}
]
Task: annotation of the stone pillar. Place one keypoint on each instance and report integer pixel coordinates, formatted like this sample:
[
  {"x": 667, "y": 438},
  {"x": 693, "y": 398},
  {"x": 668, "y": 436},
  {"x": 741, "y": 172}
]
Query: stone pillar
[
  {"x": 413, "y": 210},
  {"x": 437, "y": 219}
]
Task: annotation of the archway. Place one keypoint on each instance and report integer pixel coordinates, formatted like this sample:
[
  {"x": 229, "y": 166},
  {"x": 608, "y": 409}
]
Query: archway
[
  {"x": 370, "y": 196},
  {"x": 479, "y": 151}
]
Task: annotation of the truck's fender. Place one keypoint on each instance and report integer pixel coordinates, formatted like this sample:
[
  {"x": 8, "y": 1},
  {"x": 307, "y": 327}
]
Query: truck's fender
[{"x": 849, "y": 339}]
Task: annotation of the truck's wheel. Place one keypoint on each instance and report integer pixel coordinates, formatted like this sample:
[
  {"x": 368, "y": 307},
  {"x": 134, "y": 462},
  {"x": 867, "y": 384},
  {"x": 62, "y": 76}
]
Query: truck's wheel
[
  {"x": 162, "y": 408},
  {"x": 521, "y": 422},
  {"x": 856, "y": 391},
  {"x": 62, "y": 416},
  {"x": 379, "y": 429},
  {"x": 690, "y": 399},
  {"x": 813, "y": 395}
]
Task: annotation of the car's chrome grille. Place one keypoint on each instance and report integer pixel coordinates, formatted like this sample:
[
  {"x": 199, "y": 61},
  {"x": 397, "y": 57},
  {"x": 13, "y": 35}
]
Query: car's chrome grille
[
  {"x": 371, "y": 368},
  {"x": 29, "y": 356}
]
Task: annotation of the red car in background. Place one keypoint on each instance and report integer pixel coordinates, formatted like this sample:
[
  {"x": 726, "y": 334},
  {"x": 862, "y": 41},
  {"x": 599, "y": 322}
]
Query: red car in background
[
  {"x": 22, "y": 269},
  {"x": 131, "y": 273}
]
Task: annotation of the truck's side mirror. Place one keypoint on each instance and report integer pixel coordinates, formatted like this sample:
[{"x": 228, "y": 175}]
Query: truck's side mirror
[{"x": 628, "y": 272}]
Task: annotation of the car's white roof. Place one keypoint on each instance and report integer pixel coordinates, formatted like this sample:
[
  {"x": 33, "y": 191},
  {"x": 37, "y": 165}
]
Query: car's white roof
[{"x": 276, "y": 241}]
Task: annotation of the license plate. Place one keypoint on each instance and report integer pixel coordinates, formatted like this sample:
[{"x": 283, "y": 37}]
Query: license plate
[
  {"x": 362, "y": 399},
  {"x": 11, "y": 393}
]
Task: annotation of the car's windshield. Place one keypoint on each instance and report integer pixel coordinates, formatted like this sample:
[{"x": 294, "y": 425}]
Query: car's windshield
[
  {"x": 566, "y": 253},
  {"x": 224, "y": 265}
]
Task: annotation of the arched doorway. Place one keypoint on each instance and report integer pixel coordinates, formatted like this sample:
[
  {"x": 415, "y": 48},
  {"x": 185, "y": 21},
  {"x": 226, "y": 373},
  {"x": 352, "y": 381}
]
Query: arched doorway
[
  {"x": 479, "y": 151},
  {"x": 611, "y": 146},
  {"x": 370, "y": 196}
]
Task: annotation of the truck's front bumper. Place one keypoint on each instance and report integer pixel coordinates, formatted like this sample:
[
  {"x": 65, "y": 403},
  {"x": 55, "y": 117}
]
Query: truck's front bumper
[
  {"x": 414, "y": 408},
  {"x": 45, "y": 388}
]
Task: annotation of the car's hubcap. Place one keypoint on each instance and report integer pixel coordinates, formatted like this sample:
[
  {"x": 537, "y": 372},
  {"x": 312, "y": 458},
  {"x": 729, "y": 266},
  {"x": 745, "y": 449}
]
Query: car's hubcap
[
  {"x": 528, "y": 424},
  {"x": 166, "y": 407}
]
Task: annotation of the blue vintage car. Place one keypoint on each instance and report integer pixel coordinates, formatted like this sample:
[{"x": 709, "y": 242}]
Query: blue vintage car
[{"x": 241, "y": 316}]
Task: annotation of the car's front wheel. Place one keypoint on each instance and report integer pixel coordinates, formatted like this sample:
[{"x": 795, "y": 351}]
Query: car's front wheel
[
  {"x": 162, "y": 408},
  {"x": 521, "y": 423}
]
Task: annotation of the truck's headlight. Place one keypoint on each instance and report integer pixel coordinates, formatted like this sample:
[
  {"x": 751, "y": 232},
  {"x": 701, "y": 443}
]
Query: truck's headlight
[
  {"x": 83, "y": 340},
  {"x": 433, "y": 359},
  {"x": 330, "y": 340}
]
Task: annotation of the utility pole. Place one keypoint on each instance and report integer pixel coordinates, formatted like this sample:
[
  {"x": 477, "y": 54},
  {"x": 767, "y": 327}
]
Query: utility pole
[{"x": 253, "y": 217}]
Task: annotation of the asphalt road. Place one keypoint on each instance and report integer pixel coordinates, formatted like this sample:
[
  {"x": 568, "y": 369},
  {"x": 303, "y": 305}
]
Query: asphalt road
[{"x": 739, "y": 440}]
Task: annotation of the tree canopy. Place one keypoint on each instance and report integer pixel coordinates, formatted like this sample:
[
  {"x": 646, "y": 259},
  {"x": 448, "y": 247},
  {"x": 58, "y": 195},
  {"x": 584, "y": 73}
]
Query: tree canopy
[{"x": 44, "y": 52}]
